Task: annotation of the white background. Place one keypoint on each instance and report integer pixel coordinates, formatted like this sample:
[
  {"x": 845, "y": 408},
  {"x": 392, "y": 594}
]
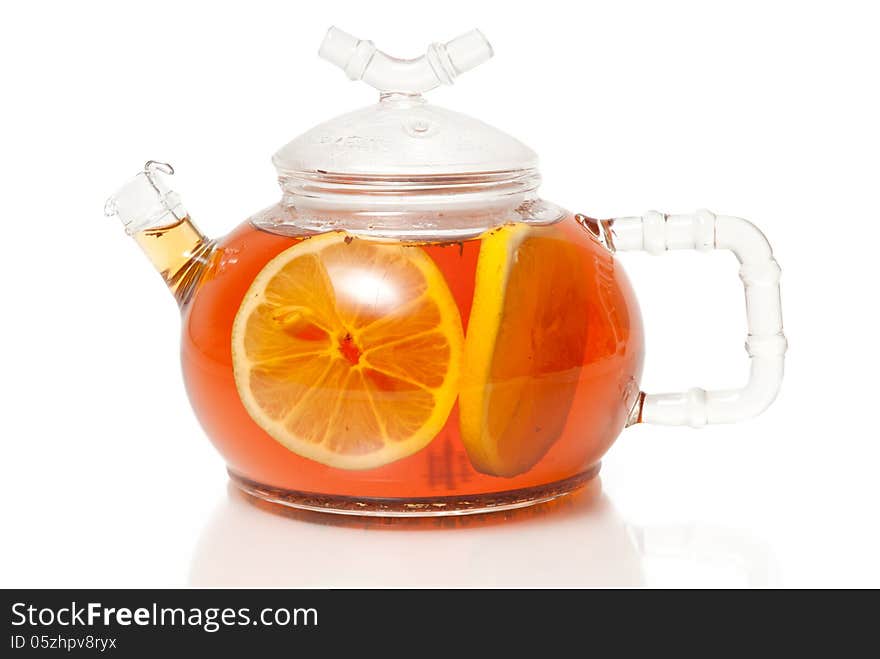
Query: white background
[{"x": 767, "y": 110}]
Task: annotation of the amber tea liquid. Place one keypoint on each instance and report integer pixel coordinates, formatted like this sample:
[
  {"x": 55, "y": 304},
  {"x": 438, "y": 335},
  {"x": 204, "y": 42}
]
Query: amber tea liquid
[{"x": 605, "y": 370}]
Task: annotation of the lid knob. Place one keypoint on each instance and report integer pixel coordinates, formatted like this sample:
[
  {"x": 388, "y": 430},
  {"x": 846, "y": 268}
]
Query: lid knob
[{"x": 440, "y": 65}]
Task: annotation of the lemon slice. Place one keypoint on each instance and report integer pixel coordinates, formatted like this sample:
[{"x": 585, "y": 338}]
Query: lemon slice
[
  {"x": 347, "y": 351},
  {"x": 524, "y": 349}
]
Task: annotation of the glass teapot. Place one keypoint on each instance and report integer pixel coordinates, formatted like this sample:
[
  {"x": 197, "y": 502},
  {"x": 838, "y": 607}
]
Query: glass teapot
[{"x": 411, "y": 329}]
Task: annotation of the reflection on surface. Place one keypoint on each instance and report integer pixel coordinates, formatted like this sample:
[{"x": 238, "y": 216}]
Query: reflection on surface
[
  {"x": 690, "y": 556},
  {"x": 579, "y": 540}
]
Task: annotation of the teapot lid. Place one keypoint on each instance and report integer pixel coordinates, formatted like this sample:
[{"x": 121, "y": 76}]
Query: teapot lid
[{"x": 403, "y": 134}]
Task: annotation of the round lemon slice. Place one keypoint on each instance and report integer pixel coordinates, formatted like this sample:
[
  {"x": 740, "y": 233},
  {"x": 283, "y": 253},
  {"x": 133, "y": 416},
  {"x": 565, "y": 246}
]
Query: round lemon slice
[{"x": 347, "y": 351}]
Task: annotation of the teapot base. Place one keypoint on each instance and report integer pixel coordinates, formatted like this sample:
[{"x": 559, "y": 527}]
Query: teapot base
[{"x": 486, "y": 502}]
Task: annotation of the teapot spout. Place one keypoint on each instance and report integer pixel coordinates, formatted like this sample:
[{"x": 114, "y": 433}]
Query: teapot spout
[{"x": 152, "y": 213}]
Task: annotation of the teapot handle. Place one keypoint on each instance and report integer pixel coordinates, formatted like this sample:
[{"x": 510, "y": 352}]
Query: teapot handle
[{"x": 656, "y": 233}]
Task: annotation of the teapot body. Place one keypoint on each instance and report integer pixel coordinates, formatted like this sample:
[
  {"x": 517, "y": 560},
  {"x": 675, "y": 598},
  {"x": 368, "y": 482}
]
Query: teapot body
[{"x": 352, "y": 373}]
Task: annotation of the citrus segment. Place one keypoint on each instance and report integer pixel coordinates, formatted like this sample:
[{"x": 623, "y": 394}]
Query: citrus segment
[
  {"x": 524, "y": 349},
  {"x": 347, "y": 351}
]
